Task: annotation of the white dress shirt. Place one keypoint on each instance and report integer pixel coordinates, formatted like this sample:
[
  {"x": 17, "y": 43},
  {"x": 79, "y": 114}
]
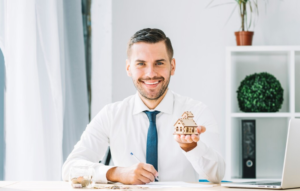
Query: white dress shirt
[{"x": 123, "y": 126}]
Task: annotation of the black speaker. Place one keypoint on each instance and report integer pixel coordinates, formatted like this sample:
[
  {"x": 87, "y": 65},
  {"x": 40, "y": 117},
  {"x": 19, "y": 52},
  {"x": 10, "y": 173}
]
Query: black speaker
[{"x": 248, "y": 149}]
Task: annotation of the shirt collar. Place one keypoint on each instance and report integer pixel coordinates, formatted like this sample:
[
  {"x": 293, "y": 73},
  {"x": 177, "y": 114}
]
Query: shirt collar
[{"x": 165, "y": 106}]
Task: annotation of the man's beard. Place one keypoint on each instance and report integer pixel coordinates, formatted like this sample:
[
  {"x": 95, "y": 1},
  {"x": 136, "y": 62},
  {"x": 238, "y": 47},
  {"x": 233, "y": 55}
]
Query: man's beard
[{"x": 161, "y": 92}]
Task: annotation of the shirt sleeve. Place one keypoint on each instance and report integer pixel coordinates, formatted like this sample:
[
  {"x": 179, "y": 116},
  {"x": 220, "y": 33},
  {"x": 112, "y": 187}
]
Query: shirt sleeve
[
  {"x": 205, "y": 157},
  {"x": 91, "y": 148}
]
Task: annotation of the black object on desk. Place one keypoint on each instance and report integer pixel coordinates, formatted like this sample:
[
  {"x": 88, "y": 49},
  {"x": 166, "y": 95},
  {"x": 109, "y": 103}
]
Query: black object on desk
[{"x": 248, "y": 149}]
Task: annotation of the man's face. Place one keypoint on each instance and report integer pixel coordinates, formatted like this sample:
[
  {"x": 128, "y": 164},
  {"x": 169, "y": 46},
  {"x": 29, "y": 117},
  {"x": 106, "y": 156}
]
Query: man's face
[{"x": 150, "y": 68}]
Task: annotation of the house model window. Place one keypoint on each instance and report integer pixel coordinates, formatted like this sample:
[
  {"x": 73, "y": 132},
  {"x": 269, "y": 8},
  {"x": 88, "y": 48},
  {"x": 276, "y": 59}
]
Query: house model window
[{"x": 186, "y": 124}]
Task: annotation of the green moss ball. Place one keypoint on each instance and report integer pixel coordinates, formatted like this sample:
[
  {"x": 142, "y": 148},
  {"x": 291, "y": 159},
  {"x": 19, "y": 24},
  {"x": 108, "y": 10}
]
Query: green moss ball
[{"x": 260, "y": 93}]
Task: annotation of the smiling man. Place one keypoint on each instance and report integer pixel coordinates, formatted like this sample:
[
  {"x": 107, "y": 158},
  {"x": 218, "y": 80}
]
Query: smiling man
[{"x": 143, "y": 124}]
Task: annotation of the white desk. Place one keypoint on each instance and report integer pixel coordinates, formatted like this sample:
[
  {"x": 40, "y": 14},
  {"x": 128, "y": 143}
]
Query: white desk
[{"x": 62, "y": 186}]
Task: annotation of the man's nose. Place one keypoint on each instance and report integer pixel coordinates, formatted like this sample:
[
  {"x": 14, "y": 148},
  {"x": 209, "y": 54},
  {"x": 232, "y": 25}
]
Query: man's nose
[{"x": 151, "y": 71}]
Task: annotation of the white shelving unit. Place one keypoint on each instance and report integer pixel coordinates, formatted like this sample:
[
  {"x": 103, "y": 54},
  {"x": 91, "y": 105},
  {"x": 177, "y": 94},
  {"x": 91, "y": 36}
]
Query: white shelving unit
[{"x": 271, "y": 128}]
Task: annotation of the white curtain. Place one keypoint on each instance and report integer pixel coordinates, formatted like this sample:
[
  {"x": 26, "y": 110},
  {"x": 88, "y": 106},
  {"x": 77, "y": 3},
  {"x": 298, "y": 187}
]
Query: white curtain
[{"x": 46, "y": 95}]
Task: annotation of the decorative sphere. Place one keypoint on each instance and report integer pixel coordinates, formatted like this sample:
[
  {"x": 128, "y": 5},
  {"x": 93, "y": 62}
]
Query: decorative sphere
[{"x": 260, "y": 93}]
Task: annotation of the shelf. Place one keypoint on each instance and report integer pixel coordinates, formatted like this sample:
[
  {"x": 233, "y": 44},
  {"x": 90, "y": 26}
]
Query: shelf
[
  {"x": 266, "y": 115},
  {"x": 284, "y": 63},
  {"x": 242, "y": 65},
  {"x": 271, "y": 134},
  {"x": 262, "y": 48}
]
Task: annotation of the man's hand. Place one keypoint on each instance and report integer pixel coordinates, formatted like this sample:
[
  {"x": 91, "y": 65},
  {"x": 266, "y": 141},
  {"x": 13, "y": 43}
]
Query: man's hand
[
  {"x": 189, "y": 142},
  {"x": 140, "y": 173}
]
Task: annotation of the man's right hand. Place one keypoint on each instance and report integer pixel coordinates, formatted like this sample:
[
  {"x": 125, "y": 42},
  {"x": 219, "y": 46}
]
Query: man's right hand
[{"x": 140, "y": 173}]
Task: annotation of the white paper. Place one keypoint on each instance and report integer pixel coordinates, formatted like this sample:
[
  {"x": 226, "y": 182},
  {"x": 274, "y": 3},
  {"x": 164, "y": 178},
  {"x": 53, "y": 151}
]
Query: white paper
[{"x": 174, "y": 185}]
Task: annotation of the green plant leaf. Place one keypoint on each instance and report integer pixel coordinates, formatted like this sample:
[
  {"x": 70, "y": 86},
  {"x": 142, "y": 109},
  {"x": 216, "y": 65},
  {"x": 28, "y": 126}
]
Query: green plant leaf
[
  {"x": 243, "y": 13},
  {"x": 249, "y": 25}
]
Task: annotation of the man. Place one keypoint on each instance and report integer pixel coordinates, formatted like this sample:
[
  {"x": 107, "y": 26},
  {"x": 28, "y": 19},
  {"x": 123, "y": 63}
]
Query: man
[{"x": 142, "y": 124}]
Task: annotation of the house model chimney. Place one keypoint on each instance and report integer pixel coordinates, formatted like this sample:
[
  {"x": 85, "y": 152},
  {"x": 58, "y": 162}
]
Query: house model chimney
[{"x": 187, "y": 115}]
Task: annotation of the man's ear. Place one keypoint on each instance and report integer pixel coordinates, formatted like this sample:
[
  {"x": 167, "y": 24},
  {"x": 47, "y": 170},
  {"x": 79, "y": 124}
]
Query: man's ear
[
  {"x": 173, "y": 66},
  {"x": 128, "y": 68}
]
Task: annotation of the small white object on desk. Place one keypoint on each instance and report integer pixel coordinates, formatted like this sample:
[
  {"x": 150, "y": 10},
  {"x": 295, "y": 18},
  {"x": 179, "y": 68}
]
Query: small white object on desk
[{"x": 175, "y": 185}]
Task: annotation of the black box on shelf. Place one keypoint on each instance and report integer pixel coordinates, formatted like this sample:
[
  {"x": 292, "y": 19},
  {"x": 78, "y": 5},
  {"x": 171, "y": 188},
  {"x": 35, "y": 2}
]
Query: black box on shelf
[{"x": 248, "y": 149}]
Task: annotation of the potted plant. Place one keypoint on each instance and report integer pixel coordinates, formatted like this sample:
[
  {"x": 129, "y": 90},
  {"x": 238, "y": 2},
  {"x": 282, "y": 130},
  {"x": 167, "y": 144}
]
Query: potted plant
[{"x": 244, "y": 36}]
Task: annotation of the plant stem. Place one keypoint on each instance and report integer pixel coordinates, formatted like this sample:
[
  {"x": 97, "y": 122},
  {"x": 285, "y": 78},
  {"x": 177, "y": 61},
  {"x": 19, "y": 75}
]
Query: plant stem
[{"x": 243, "y": 12}]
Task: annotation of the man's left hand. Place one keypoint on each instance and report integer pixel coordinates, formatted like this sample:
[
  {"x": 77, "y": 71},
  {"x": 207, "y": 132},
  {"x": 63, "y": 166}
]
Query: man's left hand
[{"x": 189, "y": 142}]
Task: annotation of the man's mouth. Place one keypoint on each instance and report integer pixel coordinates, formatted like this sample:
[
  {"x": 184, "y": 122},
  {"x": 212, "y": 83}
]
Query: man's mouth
[{"x": 151, "y": 83}]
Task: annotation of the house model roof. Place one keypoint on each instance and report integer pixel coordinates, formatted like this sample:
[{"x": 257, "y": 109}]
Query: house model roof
[
  {"x": 187, "y": 119},
  {"x": 187, "y": 122}
]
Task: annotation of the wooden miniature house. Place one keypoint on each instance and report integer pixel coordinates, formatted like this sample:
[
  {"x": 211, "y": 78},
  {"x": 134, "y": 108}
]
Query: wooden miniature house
[{"x": 186, "y": 124}]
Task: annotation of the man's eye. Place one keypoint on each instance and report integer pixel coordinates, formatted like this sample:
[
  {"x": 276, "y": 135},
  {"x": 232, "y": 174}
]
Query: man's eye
[
  {"x": 140, "y": 64},
  {"x": 160, "y": 63}
]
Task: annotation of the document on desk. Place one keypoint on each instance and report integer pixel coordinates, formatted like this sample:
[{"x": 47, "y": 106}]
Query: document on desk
[{"x": 174, "y": 185}]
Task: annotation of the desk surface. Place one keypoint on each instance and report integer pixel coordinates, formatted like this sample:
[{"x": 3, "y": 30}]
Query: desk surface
[{"x": 60, "y": 186}]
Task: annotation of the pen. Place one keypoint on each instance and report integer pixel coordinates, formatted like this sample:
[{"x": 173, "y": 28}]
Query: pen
[
  {"x": 156, "y": 178},
  {"x": 204, "y": 180}
]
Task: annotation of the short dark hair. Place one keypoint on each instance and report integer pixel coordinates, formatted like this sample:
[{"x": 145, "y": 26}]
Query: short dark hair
[{"x": 149, "y": 35}]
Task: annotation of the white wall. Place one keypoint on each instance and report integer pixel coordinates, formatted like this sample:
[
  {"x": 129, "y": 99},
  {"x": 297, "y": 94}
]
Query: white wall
[
  {"x": 101, "y": 12},
  {"x": 199, "y": 38},
  {"x": 2, "y": 143}
]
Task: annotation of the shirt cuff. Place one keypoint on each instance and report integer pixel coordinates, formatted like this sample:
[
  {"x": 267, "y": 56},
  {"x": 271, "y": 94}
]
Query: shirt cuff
[
  {"x": 100, "y": 174},
  {"x": 197, "y": 152}
]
